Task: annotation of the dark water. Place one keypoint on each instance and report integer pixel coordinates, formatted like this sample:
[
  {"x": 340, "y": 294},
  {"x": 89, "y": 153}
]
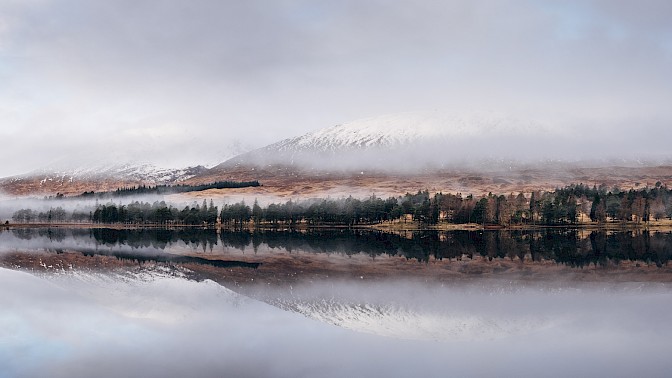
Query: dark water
[{"x": 567, "y": 246}]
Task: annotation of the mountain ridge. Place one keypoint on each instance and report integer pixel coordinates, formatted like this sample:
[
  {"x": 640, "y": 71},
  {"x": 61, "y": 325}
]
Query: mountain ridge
[
  {"x": 435, "y": 150},
  {"x": 95, "y": 177}
]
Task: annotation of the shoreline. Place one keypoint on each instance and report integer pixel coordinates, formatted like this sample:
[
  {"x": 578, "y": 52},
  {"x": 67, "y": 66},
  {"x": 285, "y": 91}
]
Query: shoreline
[
  {"x": 285, "y": 266},
  {"x": 382, "y": 227}
]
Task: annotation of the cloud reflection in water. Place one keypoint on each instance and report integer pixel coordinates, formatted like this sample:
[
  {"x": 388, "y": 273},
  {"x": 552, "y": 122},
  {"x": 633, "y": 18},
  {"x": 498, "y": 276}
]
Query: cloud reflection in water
[{"x": 158, "y": 324}]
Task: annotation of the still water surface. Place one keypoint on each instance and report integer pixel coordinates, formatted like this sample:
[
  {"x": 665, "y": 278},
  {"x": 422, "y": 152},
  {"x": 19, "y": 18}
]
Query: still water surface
[
  {"x": 567, "y": 246},
  {"x": 154, "y": 321}
]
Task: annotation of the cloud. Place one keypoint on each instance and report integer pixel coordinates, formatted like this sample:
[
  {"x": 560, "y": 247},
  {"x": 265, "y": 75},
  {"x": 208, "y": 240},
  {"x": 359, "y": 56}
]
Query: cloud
[{"x": 78, "y": 73}]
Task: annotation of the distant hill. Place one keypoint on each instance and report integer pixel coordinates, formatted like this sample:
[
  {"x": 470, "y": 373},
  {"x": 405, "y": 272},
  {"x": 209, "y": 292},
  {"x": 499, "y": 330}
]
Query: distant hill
[
  {"x": 95, "y": 178},
  {"x": 436, "y": 150}
]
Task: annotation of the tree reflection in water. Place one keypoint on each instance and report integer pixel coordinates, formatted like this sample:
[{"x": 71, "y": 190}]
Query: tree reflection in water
[{"x": 576, "y": 248}]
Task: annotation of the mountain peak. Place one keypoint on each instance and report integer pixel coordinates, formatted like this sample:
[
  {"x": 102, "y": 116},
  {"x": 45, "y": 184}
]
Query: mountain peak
[
  {"x": 409, "y": 140},
  {"x": 402, "y": 129}
]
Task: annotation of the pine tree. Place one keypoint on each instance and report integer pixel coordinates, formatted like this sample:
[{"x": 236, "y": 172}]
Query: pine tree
[{"x": 257, "y": 212}]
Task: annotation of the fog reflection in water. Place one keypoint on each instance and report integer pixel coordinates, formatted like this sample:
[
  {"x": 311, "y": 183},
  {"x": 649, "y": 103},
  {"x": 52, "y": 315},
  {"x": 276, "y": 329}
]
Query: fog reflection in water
[{"x": 157, "y": 324}]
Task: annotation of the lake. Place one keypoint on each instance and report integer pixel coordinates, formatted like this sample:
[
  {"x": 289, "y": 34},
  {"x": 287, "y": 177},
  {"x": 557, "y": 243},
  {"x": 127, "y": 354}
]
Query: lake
[{"x": 332, "y": 303}]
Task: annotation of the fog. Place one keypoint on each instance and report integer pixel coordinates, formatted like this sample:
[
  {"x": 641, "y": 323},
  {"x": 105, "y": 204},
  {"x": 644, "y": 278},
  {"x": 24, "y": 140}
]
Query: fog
[
  {"x": 141, "y": 80},
  {"x": 156, "y": 324},
  {"x": 463, "y": 139},
  {"x": 9, "y": 206},
  {"x": 500, "y": 155},
  {"x": 86, "y": 204}
]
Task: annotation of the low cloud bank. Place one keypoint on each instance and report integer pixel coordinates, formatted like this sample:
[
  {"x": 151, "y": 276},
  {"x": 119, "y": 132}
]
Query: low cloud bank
[{"x": 409, "y": 142}]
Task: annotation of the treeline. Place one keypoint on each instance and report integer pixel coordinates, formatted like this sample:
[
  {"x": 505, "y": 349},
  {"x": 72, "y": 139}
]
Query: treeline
[
  {"x": 171, "y": 189},
  {"x": 56, "y": 215},
  {"x": 564, "y": 206},
  {"x": 137, "y": 213},
  {"x": 156, "y": 213}
]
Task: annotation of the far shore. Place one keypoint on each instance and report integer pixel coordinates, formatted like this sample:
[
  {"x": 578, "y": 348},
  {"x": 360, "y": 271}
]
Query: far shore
[{"x": 393, "y": 226}]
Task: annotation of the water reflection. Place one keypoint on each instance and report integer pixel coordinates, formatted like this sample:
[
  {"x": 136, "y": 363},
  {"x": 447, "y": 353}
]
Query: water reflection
[
  {"x": 82, "y": 322},
  {"x": 572, "y": 247},
  {"x": 87, "y": 324},
  {"x": 139, "y": 245}
]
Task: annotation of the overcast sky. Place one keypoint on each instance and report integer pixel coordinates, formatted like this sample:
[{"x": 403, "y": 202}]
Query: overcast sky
[{"x": 185, "y": 82}]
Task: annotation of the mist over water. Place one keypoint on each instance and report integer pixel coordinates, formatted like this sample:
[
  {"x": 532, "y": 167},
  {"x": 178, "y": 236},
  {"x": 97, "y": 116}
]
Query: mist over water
[{"x": 84, "y": 205}]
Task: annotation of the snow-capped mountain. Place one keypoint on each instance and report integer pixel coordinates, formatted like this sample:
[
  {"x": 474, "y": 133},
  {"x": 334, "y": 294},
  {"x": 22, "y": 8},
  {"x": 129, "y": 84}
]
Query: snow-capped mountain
[
  {"x": 407, "y": 128},
  {"x": 411, "y": 140},
  {"x": 145, "y": 172},
  {"x": 96, "y": 177},
  {"x": 86, "y": 170},
  {"x": 482, "y": 141}
]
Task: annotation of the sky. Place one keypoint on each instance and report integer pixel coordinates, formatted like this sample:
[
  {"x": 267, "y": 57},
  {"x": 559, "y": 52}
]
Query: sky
[{"x": 194, "y": 82}]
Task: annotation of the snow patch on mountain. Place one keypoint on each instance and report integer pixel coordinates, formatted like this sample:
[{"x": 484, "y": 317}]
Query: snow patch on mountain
[
  {"x": 407, "y": 128},
  {"x": 127, "y": 165},
  {"x": 137, "y": 172}
]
